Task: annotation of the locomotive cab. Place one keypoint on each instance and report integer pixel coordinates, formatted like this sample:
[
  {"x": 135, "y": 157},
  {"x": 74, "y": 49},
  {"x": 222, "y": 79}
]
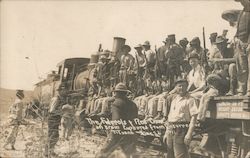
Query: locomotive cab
[{"x": 68, "y": 70}]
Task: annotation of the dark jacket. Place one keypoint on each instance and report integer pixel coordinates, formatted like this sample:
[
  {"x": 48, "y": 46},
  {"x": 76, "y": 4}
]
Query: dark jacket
[
  {"x": 124, "y": 109},
  {"x": 243, "y": 28}
]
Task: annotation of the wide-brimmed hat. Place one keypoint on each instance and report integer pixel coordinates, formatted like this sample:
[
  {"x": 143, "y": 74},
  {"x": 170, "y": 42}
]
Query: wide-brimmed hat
[
  {"x": 195, "y": 40},
  {"x": 19, "y": 93},
  {"x": 121, "y": 87},
  {"x": 126, "y": 47},
  {"x": 213, "y": 35},
  {"x": 193, "y": 55},
  {"x": 166, "y": 40},
  {"x": 146, "y": 43},
  {"x": 214, "y": 79},
  {"x": 138, "y": 46},
  {"x": 231, "y": 15},
  {"x": 184, "y": 41},
  {"x": 220, "y": 39}
]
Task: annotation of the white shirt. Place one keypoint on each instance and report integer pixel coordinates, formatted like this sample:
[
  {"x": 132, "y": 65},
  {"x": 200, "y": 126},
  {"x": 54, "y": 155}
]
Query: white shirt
[
  {"x": 196, "y": 77},
  {"x": 182, "y": 109}
]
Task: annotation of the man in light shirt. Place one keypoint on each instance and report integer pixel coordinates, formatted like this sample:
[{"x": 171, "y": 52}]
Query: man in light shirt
[
  {"x": 181, "y": 121},
  {"x": 16, "y": 116},
  {"x": 196, "y": 77}
]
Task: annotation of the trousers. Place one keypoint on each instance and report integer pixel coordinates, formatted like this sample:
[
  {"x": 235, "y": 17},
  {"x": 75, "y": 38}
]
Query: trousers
[
  {"x": 53, "y": 132},
  {"x": 126, "y": 142},
  {"x": 176, "y": 148},
  {"x": 12, "y": 137}
]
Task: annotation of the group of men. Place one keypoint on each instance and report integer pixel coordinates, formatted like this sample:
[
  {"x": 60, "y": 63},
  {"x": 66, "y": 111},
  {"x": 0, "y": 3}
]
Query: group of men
[{"x": 173, "y": 83}]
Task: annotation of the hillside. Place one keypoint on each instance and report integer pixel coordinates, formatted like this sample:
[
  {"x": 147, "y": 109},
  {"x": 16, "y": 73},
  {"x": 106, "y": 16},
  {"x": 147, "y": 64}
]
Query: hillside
[{"x": 7, "y": 97}]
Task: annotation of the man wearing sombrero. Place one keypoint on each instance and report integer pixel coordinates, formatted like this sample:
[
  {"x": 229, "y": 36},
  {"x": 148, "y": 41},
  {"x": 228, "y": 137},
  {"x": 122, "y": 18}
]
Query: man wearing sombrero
[
  {"x": 127, "y": 64},
  {"x": 126, "y": 110}
]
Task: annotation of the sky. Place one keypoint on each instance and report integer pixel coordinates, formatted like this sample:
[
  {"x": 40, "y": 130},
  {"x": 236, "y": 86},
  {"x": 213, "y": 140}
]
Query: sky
[{"x": 36, "y": 35}]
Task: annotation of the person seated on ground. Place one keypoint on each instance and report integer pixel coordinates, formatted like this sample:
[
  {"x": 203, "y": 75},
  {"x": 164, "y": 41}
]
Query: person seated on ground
[
  {"x": 196, "y": 77},
  {"x": 68, "y": 119}
]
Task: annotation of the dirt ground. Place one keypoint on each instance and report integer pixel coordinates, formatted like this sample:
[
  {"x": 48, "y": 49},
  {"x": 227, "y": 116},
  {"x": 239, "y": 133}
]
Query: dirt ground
[{"x": 31, "y": 142}]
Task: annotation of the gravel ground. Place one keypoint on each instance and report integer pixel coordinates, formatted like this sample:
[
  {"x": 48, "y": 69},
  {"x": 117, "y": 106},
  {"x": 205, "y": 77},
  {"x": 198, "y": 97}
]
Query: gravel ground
[{"x": 31, "y": 142}]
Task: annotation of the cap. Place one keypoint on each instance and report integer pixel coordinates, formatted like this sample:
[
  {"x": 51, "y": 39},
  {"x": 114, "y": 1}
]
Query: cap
[
  {"x": 19, "y": 93},
  {"x": 195, "y": 40},
  {"x": 184, "y": 41},
  {"x": 138, "y": 46},
  {"x": 126, "y": 47},
  {"x": 213, "y": 35},
  {"x": 146, "y": 43},
  {"x": 166, "y": 40},
  {"x": 121, "y": 87},
  {"x": 220, "y": 39}
]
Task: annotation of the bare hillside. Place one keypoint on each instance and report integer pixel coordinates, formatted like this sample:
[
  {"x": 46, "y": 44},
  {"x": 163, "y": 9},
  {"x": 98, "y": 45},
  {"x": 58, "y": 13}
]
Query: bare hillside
[{"x": 7, "y": 97}]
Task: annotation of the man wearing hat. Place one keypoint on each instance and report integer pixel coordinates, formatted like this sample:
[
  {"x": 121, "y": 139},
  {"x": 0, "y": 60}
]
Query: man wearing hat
[
  {"x": 126, "y": 110},
  {"x": 196, "y": 77},
  {"x": 195, "y": 46},
  {"x": 174, "y": 57},
  {"x": 214, "y": 83},
  {"x": 242, "y": 48},
  {"x": 183, "y": 44},
  {"x": 54, "y": 120},
  {"x": 140, "y": 67},
  {"x": 227, "y": 70},
  {"x": 15, "y": 118},
  {"x": 127, "y": 64},
  {"x": 150, "y": 55},
  {"x": 140, "y": 57},
  {"x": 221, "y": 44},
  {"x": 213, "y": 51},
  {"x": 181, "y": 120},
  {"x": 114, "y": 68},
  {"x": 162, "y": 57}
]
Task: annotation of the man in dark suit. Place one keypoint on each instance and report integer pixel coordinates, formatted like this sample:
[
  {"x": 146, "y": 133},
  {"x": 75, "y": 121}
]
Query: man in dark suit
[{"x": 125, "y": 110}]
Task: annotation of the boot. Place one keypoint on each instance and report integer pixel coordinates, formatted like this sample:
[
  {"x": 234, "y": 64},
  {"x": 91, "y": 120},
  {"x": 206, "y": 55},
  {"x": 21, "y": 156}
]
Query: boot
[
  {"x": 12, "y": 147},
  {"x": 232, "y": 87}
]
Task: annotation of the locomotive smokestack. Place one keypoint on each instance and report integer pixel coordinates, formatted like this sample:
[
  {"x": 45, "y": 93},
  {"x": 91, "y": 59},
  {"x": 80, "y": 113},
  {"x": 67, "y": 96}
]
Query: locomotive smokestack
[{"x": 117, "y": 45}]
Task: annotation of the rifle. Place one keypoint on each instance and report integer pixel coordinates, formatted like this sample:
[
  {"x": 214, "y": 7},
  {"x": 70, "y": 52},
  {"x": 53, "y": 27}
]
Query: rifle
[
  {"x": 100, "y": 48},
  {"x": 138, "y": 66},
  {"x": 146, "y": 68},
  {"x": 204, "y": 60}
]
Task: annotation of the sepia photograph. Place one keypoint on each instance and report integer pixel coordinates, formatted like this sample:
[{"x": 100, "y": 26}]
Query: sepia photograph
[{"x": 125, "y": 79}]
